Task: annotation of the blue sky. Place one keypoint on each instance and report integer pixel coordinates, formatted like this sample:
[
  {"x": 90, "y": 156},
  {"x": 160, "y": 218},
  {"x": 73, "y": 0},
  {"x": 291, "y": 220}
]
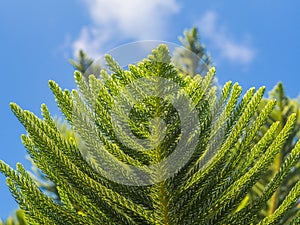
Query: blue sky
[{"x": 252, "y": 42}]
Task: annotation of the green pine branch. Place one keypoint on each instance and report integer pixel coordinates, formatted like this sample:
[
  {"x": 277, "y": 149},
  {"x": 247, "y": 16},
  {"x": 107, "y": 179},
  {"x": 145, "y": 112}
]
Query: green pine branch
[{"x": 227, "y": 162}]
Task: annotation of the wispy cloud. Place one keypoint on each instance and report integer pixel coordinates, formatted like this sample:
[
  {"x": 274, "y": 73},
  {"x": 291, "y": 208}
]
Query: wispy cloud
[
  {"x": 115, "y": 20},
  {"x": 218, "y": 35}
]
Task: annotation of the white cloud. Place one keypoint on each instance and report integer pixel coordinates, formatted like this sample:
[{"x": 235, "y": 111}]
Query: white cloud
[
  {"x": 221, "y": 40},
  {"x": 113, "y": 20}
]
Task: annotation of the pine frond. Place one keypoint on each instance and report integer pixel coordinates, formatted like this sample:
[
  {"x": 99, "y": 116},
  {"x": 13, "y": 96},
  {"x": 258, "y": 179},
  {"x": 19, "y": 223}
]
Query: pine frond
[{"x": 152, "y": 145}]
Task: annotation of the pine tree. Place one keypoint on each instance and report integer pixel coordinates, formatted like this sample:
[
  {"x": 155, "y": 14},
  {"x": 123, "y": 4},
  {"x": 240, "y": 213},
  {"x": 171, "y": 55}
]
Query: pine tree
[
  {"x": 82, "y": 63},
  {"x": 192, "y": 53},
  {"x": 283, "y": 109},
  {"x": 85, "y": 65},
  {"x": 226, "y": 163},
  {"x": 193, "y": 58}
]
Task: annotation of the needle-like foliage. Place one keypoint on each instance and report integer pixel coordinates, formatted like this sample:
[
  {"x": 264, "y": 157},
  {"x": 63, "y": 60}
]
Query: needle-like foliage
[
  {"x": 193, "y": 58},
  {"x": 284, "y": 107},
  {"x": 222, "y": 167}
]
